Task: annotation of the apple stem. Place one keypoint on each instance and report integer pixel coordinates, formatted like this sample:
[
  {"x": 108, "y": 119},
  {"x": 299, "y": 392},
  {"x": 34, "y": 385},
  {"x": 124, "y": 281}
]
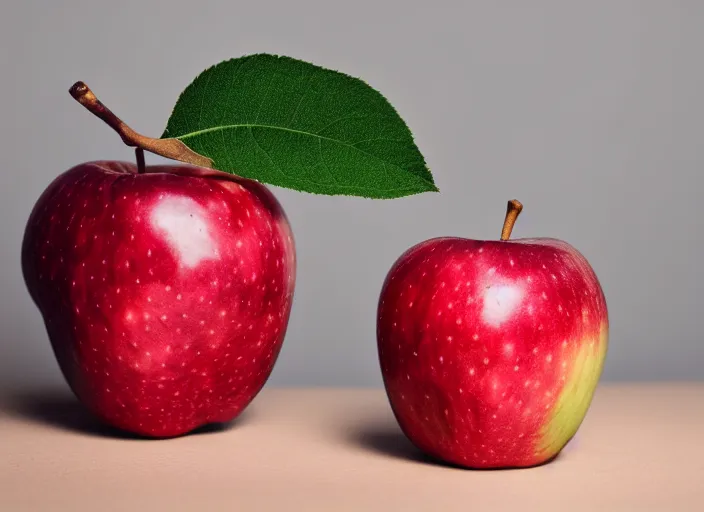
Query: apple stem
[
  {"x": 139, "y": 153},
  {"x": 168, "y": 148},
  {"x": 513, "y": 209}
]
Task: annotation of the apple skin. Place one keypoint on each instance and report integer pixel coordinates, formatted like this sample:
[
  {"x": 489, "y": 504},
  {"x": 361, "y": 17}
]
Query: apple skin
[
  {"x": 490, "y": 351},
  {"x": 166, "y": 295}
]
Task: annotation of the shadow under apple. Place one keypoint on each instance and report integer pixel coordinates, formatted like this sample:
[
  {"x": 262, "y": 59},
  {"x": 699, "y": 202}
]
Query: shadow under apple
[
  {"x": 389, "y": 441},
  {"x": 62, "y": 410}
]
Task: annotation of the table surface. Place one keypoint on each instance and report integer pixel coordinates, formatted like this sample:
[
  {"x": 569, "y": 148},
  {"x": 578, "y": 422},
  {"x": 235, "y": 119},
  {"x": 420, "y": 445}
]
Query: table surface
[{"x": 640, "y": 448}]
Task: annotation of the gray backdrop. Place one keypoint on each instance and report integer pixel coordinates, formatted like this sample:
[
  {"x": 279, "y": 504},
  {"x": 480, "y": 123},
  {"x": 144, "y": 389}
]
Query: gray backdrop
[{"x": 590, "y": 113}]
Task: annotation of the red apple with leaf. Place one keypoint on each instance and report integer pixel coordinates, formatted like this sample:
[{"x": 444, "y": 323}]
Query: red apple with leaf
[
  {"x": 166, "y": 290},
  {"x": 491, "y": 351}
]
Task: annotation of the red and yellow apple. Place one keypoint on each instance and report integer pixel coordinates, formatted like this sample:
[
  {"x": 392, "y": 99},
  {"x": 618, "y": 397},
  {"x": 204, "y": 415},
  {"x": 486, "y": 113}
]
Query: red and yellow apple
[{"x": 491, "y": 351}]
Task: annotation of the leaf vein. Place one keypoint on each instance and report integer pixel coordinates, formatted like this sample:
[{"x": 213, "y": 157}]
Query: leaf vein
[
  {"x": 264, "y": 98},
  {"x": 202, "y": 98},
  {"x": 300, "y": 132},
  {"x": 324, "y": 164},
  {"x": 349, "y": 116},
  {"x": 271, "y": 160},
  {"x": 304, "y": 95},
  {"x": 347, "y": 187}
]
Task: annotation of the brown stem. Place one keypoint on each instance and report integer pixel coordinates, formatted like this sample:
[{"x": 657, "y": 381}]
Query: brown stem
[
  {"x": 168, "y": 148},
  {"x": 139, "y": 153},
  {"x": 512, "y": 211}
]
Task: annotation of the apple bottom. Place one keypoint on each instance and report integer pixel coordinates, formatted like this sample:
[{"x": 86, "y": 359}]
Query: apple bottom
[
  {"x": 163, "y": 420},
  {"x": 155, "y": 405},
  {"x": 153, "y": 431},
  {"x": 465, "y": 432}
]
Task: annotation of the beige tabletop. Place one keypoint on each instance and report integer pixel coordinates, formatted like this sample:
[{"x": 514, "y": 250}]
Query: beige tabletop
[{"x": 641, "y": 448}]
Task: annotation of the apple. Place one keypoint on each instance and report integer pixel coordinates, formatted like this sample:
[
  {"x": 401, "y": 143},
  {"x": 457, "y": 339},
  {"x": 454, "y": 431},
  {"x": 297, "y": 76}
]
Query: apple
[
  {"x": 490, "y": 351},
  {"x": 165, "y": 291}
]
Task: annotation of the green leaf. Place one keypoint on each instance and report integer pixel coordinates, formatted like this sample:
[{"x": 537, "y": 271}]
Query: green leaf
[{"x": 292, "y": 124}]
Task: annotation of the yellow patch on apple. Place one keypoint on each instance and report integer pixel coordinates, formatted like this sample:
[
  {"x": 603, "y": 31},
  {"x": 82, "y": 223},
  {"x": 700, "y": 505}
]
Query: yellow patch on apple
[{"x": 576, "y": 396}]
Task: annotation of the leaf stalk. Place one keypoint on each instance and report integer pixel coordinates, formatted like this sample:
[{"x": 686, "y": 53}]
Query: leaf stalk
[{"x": 168, "y": 148}]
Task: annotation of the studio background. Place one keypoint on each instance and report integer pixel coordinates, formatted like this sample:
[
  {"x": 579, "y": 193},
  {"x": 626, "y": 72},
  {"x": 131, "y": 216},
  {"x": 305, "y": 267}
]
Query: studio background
[{"x": 590, "y": 113}]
